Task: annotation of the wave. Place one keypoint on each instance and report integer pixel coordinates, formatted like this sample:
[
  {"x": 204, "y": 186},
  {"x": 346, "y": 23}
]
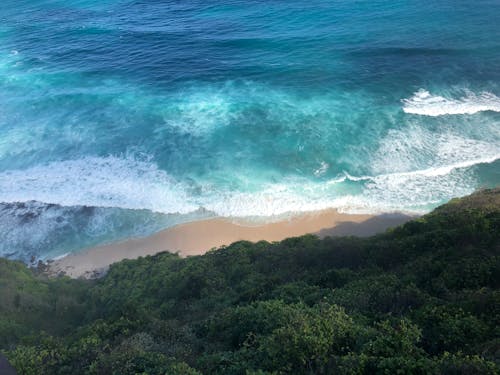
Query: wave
[
  {"x": 415, "y": 147},
  {"x": 425, "y": 104},
  {"x": 97, "y": 182},
  {"x": 126, "y": 183},
  {"x": 35, "y": 230},
  {"x": 28, "y": 229},
  {"x": 430, "y": 172},
  {"x": 414, "y": 191},
  {"x": 94, "y": 200}
]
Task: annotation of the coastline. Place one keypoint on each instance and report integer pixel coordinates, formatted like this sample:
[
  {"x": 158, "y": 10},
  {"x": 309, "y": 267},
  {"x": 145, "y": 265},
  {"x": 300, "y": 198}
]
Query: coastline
[{"x": 196, "y": 238}]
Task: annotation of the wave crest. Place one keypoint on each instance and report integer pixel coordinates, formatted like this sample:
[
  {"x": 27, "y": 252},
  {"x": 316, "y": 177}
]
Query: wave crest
[
  {"x": 113, "y": 182},
  {"x": 98, "y": 182},
  {"x": 425, "y": 104}
]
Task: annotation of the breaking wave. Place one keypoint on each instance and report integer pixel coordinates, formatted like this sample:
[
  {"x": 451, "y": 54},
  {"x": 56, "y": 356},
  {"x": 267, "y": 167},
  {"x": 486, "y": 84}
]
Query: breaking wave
[{"x": 425, "y": 104}]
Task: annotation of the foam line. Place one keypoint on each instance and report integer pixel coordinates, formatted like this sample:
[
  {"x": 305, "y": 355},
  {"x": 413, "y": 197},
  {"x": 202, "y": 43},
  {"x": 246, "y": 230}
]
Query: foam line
[
  {"x": 425, "y": 104},
  {"x": 432, "y": 172},
  {"x": 131, "y": 184},
  {"x": 98, "y": 182}
]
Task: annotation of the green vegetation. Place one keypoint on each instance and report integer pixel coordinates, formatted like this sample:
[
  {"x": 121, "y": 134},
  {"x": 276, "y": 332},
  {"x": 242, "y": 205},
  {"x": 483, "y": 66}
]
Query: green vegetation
[{"x": 423, "y": 298}]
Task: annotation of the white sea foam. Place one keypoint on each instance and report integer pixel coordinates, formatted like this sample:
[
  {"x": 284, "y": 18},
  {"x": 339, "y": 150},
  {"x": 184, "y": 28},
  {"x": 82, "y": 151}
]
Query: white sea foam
[
  {"x": 426, "y": 104},
  {"x": 414, "y": 147},
  {"x": 199, "y": 113},
  {"x": 323, "y": 167},
  {"x": 26, "y": 228},
  {"x": 32, "y": 228},
  {"x": 60, "y": 256},
  {"x": 415, "y": 190},
  {"x": 97, "y": 181},
  {"x": 417, "y": 167},
  {"x": 412, "y": 191},
  {"x": 131, "y": 184}
]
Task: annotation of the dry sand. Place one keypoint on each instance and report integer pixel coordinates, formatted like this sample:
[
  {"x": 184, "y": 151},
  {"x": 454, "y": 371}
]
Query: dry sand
[{"x": 198, "y": 237}]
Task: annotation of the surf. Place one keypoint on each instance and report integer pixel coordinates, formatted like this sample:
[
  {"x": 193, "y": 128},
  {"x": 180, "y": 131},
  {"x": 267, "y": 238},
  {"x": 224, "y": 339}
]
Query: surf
[{"x": 426, "y": 104}]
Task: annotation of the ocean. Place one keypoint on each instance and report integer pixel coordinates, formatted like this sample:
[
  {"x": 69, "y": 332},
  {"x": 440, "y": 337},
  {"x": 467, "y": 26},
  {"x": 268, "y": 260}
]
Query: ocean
[{"x": 120, "y": 118}]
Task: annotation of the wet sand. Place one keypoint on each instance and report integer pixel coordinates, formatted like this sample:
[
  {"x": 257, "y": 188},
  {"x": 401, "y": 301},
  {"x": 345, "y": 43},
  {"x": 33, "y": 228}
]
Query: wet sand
[{"x": 198, "y": 237}]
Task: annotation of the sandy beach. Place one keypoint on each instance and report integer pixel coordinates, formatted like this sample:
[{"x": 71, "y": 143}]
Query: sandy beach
[{"x": 198, "y": 237}]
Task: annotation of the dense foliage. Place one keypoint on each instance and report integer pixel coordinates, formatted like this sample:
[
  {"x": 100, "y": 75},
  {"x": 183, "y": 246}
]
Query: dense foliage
[{"x": 422, "y": 298}]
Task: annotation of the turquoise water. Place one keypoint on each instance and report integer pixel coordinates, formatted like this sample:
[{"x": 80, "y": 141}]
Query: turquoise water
[{"x": 119, "y": 118}]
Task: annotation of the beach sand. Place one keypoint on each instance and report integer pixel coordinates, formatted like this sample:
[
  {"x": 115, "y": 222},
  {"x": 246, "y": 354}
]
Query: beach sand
[{"x": 198, "y": 237}]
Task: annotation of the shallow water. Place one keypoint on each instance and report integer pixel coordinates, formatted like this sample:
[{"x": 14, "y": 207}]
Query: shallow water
[{"x": 119, "y": 118}]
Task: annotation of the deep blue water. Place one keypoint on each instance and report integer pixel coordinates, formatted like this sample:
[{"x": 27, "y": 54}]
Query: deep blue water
[{"x": 119, "y": 118}]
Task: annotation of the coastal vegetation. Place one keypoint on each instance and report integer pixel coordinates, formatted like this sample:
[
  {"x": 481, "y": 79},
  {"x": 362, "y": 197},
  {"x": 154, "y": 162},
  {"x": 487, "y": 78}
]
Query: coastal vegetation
[{"x": 422, "y": 298}]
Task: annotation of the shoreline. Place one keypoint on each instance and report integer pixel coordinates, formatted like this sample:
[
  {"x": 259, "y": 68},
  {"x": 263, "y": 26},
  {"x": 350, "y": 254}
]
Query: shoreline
[{"x": 198, "y": 237}]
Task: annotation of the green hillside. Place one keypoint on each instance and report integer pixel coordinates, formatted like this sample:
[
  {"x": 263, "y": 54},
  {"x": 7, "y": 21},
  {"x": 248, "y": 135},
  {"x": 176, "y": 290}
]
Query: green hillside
[{"x": 423, "y": 298}]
